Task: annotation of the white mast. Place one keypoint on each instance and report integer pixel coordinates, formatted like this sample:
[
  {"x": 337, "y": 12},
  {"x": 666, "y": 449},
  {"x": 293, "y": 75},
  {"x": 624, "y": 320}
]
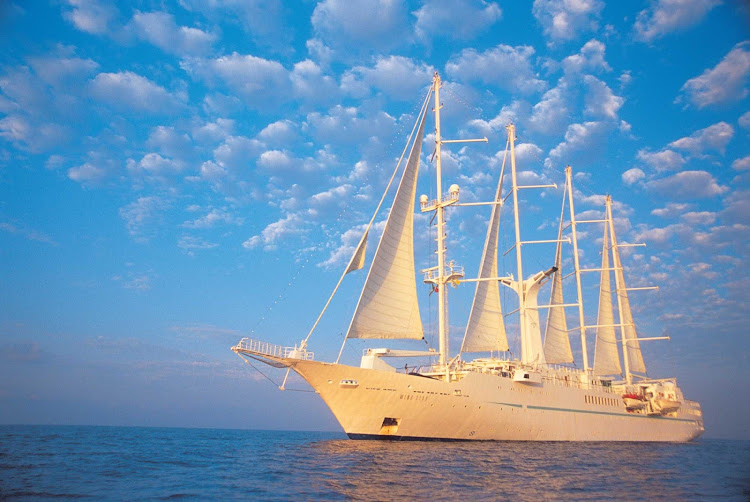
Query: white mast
[
  {"x": 582, "y": 323},
  {"x": 442, "y": 298},
  {"x": 519, "y": 281}
]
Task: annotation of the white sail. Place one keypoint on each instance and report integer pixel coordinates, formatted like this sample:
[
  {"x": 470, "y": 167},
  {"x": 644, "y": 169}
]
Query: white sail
[
  {"x": 635, "y": 358},
  {"x": 358, "y": 258},
  {"x": 606, "y": 356},
  {"x": 485, "y": 330},
  {"x": 388, "y": 306},
  {"x": 556, "y": 341}
]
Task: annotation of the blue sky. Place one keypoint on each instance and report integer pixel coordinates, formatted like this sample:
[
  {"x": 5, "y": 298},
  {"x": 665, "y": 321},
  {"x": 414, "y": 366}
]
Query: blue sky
[{"x": 177, "y": 175}]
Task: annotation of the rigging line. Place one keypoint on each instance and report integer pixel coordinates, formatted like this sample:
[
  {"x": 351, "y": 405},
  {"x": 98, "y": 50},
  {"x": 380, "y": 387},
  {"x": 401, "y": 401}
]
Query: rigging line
[{"x": 369, "y": 225}]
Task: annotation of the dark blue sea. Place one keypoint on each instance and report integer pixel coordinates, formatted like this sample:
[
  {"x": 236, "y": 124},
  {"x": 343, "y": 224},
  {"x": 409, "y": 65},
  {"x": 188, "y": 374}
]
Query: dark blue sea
[{"x": 129, "y": 463}]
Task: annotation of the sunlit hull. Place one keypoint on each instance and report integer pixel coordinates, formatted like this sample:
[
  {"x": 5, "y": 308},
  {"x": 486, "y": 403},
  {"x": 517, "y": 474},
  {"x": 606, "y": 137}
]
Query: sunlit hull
[{"x": 373, "y": 404}]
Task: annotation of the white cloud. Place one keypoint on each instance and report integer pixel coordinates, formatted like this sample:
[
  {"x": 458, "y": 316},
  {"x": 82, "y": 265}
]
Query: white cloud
[
  {"x": 565, "y": 19},
  {"x": 90, "y": 16},
  {"x": 275, "y": 160},
  {"x": 190, "y": 243},
  {"x": 528, "y": 154},
  {"x": 715, "y": 137},
  {"x": 309, "y": 83},
  {"x": 699, "y": 218},
  {"x": 160, "y": 29},
  {"x": 213, "y": 218},
  {"x": 397, "y": 76},
  {"x": 589, "y": 59},
  {"x": 140, "y": 213},
  {"x": 87, "y": 173},
  {"x": 742, "y": 164},
  {"x": 688, "y": 185},
  {"x": 671, "y": 210},
  {"x": 550, "y": 114},
  {"x": 59, "y": 71},
  {"x": 578, "y": 137},
  {"x": 632, "y": 176},
  {"x": 30, "y": 136},
  {"x": 456, "y": 19},
  {"x": 261, "y": 83},
  {"x": 667, "y": 16},
  {"x": 664, "y": 160},
  {"x": 128, "y": 91},
  {"x": 238, "y": 152},
  {"x": 506, "y": 67},
  {"x": 508, "y": 113},
  {"x": 153, "y": 164},
  {"x": 600, "y": 101},
  {"x": 279, "y": 133},
  {"x": 345, "y": 125},
  {"x": 358, "y": 24},
  {"x": 724, "y": 83},
  {"x": 169, "y": 142},
  {"x": 215, "y": 131},
  {"x": 744, "y": 120},
  {"x": 291, "y": 224}
]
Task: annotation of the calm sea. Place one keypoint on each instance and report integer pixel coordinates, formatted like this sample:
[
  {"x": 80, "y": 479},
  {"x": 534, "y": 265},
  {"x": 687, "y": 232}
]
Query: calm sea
[{"x": 127, "y": 463}]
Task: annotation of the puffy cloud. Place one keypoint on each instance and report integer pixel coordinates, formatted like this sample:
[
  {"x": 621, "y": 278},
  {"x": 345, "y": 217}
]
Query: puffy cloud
[
  {"x": 528, "y": 153},
  {"x": 601, "y": 102},
  {"x": 275, "y": 160},
  {"x": 128, "y": 91},
  {"x": 280, "y": 132},
  {"x": 140, "y": 213},
  {"x": 153, "y": 164},
  {"x": 550, "y": 114},
  {"x": 90, "y": 16},
  {"x": 358, "y": 24},
  {"x": 457, "y": 19},
  {"x": 744, "y": 120},
  {"x": 724, "y": 83},
  {"x": 291, "y": 224},
  {"x": 699, "y": 218},
  {"x": 688, "y": 185},
  {"x": 564, "y": 19},
  {"x": 508, "y": 113},
  {"x": 58, "y": 71},
  {"x": 213, "y": 218},
  {"x": 632, "y": 176},
  {"x": 578, "y": 137},
  {"x": 215, "y": 131},
  {"x": 237, "y": 152},
  {"x": 347, "y": 125},
  {"x": 397, "y": 76},
  {"x": 30, "y": 136},
  {"x": 589, "y": 59},
  {"x": 742, "y": 164},
  {"x": 262, "y": 83},
  {"x": 664, "y": 160},
  {"x": 714, "y": 137},
  {"x": 667, "y": 16},
  {"x": 87, "y": 173},
  {"x": 506, "y": 67},
  {"x": 671, "y": 210},
  {"x": 169, "y": 142},
  {"x": 160, "y": 29},
  {"x": 309, "y": 82}
]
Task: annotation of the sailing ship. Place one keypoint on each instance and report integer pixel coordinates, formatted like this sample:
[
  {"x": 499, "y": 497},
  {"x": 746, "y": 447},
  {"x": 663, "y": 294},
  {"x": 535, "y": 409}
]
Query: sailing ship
[{"x": 540, "y": 396}]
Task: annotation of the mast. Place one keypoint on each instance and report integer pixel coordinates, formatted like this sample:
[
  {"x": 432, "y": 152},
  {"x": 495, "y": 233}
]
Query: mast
[
  {"x": 618, "y": 288},
  {"x": 582, "y": 324},
  {"x": 519, "y": 282},
  {"x": 440, "y": 211}
]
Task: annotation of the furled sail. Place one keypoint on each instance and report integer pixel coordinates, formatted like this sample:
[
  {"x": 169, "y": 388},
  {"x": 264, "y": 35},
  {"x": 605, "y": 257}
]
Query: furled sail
[
  {"x": 388, "y": 306},
  {"x": 556, "y": 341},
  {"x": 635, "y": 358},
  {"x": 606, "y": 356},
  {"x": 485, "y": 330}
]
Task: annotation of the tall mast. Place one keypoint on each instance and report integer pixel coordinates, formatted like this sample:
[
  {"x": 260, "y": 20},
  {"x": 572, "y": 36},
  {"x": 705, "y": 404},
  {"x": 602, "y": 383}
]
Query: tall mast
[
  {"x": 582, "y": 324},
  {"x": 442, "y": 298},
  {"x": 620, "y": 291},
  {"x": 519, "y": 281}
]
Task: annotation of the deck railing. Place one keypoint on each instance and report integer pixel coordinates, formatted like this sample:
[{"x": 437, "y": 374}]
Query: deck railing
[{"x": 269, "y": 349}]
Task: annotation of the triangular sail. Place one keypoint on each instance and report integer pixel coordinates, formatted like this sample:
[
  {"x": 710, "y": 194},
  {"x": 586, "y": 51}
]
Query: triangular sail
[
  {"x": 635, "y": 358},
  {"x": 358, "y": 259},
  {"x": 606, "y": 356},
  {"x": 485, "y": 330},
  {"x": 556, "y": 341},
  {"x": 388, "y": 306}
]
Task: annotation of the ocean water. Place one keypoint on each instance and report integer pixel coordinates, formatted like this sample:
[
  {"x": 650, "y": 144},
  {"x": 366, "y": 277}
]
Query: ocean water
[{"x": 129, "y": 463}]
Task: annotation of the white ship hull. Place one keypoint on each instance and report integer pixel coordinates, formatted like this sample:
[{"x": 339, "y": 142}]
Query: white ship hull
[{"x": 374, "y": 404}]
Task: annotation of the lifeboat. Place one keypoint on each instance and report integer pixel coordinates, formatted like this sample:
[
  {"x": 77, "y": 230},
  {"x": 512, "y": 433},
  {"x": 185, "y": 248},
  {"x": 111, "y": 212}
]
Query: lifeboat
[
  {"x": 634, "y": 401},
  {"x": 665, "y": 405}
]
